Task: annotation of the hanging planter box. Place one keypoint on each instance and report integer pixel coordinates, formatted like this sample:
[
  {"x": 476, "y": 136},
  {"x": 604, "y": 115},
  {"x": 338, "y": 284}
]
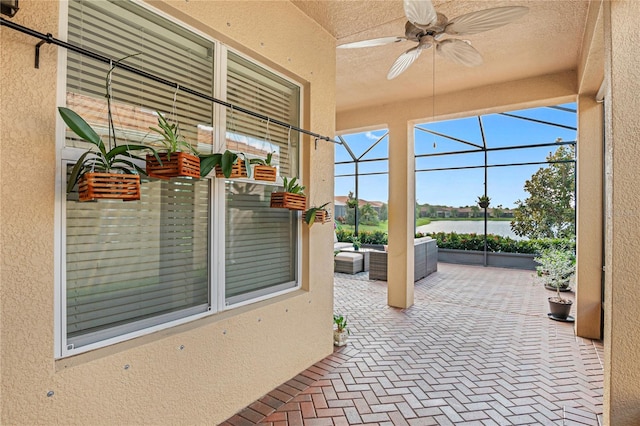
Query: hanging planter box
[
  {"x": 174, "y": 165},
  {"x": 239, "y": 170},
  {"x": 266, "y": 173},
  {"x": 287, "y": 200},
  {"x": 114, "y": 186},
  {"x": 321, "y": 216}
]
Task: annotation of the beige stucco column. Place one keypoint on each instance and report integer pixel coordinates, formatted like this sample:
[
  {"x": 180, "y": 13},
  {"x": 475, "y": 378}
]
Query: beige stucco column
[
  {"x": 622, "y": 249},
  {"x": 589, "y": 218},
  {"x": 401, "y": 214}
]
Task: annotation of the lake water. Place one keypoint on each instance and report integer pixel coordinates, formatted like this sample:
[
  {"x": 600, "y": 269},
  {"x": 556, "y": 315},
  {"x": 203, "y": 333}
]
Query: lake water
[{"x": 496, "y": 227}]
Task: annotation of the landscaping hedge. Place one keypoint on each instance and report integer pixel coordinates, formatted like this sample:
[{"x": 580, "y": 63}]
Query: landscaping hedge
[{"x": 453, "y": 240}]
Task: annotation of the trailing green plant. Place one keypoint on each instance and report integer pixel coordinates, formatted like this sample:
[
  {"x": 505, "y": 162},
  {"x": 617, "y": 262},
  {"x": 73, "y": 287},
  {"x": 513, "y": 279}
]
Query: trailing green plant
[
  {"x": 225, "y": 160},
  {"x": 341, "y": 323},
  {"x": 292, "y": 187},
  {"x": 171, "y": 138},
  {"x": 119, "y": 159},
  {"x": 310, "y": 214},
  {"x": 556, "y": 269}
]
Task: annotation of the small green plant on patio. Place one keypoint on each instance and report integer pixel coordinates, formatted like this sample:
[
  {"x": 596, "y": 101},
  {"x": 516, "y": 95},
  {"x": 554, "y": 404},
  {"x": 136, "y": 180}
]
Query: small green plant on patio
[
  {"x": 483, "y": 201},
  {"x": 341, "y": 332},
  {"x": 356, "y": 242},
  {"x": 557, "y": 268}
]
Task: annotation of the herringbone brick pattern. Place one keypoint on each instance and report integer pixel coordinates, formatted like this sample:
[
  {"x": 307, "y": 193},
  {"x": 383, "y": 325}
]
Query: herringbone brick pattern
[{"x": 477, "y": 348}]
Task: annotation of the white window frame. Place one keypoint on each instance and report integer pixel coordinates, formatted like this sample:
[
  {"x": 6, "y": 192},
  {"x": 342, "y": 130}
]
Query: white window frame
[{"x": 65, "y": 155}]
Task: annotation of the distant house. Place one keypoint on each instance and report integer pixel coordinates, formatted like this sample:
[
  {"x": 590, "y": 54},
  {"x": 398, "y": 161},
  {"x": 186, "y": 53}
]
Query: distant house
[{"x": 340, "y": 203}]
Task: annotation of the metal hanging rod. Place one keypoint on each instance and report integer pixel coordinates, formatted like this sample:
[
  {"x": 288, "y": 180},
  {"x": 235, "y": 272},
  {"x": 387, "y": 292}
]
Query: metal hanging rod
[{"x": 49, "y": 39}]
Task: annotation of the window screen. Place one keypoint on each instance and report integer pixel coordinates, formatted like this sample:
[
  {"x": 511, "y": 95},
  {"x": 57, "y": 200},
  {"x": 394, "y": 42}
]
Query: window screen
[
  {"x": 260, "y": 243},
  {"x": 254, "y": 88},
  {"x": 160, "y": 47},
  {"x": 131, "y": 261}
]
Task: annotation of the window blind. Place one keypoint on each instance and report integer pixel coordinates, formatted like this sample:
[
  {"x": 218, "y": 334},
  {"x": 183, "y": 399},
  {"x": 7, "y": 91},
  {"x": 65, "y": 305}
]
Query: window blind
[
  {"x": 137, "y": 260},
  {"x": 264, "y": 92},
  {"x": 260, "y": 244},
  {"x": 119, "y": 29}
]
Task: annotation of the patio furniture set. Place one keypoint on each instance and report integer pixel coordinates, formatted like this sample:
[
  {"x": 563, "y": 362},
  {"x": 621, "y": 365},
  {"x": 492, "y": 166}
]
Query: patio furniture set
[{"x": 350, "y": 261}]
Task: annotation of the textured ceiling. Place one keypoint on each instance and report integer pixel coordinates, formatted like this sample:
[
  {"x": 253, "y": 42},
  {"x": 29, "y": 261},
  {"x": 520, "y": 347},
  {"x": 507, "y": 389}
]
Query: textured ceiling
[{"x": 545, "y": 41}]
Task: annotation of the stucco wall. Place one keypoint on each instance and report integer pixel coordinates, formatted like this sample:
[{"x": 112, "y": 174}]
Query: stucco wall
[
  {"x": 227, "y": 360},
  {"x": 622, "y": 248}
]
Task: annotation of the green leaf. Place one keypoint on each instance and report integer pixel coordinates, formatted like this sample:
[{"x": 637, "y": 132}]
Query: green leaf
[
  {"x": 310, "y": 216},
  {"x": 208, "y": 162},
  {"x": 124, "y": 149},
  {"x": 75, "y": 172},
  {"x": 226, "y": 163},
  {"x": 246, "y": 163},
  {"x": 79, "y": 126}
]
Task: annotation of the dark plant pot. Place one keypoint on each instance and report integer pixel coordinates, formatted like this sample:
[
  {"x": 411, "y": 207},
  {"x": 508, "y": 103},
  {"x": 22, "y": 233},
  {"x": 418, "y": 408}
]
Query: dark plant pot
[
  {"x": 355, "y": 248},
  {"x": 558, "y": 309},
  {"x": 484, "y": 205}
]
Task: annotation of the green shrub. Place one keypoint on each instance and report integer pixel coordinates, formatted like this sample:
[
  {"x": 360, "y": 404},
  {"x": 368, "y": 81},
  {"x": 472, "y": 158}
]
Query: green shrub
[
  {"x": 366, "y": 237},
  {"x": 453, "y": 240}
]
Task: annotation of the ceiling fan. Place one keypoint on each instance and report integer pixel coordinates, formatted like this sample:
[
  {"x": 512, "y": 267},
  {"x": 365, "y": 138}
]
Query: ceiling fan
[{"x": 428, "y": 27}]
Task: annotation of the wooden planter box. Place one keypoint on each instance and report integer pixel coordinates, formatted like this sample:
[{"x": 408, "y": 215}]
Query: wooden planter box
[
  {"x": 266, "y": 173},
  {"x": 287, "y": 200},
  {"x": 321, "y": 216},
  {"x": 239, "y": 170},
  {"x": 174, "y": 165},
  {"x": 116, "y": 186}
]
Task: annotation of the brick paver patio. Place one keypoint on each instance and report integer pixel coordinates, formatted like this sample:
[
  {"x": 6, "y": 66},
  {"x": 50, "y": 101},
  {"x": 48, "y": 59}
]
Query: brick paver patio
[{"x": 477, "y": 348}]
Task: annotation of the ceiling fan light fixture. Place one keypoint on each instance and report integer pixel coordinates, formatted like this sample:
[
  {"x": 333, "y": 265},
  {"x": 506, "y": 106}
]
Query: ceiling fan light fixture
[{"x": 427, "y": 27}]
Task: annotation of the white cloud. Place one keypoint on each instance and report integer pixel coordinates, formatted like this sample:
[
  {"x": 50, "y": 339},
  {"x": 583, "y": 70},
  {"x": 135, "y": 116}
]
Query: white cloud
[{"x": 372, "y": 136}]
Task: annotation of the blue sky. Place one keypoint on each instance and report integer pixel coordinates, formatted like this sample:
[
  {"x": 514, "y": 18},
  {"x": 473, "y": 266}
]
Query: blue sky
[{"x": 461, "y": 187}]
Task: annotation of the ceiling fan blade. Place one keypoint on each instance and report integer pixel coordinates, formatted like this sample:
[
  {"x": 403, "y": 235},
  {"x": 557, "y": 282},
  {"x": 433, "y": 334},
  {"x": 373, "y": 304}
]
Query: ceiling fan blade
[
  {"x": 484, "y": 20},
  {"x": 403, "y": 62},
  {"x": 460, "y": 52},
  {"x": 420, "y": 12},
  {"x": 372, "y": 42}
]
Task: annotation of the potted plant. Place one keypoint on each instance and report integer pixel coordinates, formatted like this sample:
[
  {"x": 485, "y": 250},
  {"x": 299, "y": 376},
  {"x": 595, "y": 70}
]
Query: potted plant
[
  {"x": 355, "y": 240},
  {"x": 557, "y": 267},
  {"x": 263, "y": 170},
  {"x": 316, "y": 214},
  {"x": 341, "y": 332},
  {"x": 291, "y": 198},
  {"x": 483, "y": 201},
  {"x": 103, "y": 174},
  {"x": 227, "y": 164},
  {"x": 178, "y": 158}
]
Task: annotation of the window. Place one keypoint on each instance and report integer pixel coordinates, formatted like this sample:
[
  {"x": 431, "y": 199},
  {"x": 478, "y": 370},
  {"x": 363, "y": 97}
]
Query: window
[
  {"x": 261, "y": 243},
  {"x": 129, "y": 268}
]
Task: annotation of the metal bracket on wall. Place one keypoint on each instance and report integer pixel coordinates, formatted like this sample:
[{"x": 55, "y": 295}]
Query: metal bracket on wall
[{"x": 40, "y": 43}]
